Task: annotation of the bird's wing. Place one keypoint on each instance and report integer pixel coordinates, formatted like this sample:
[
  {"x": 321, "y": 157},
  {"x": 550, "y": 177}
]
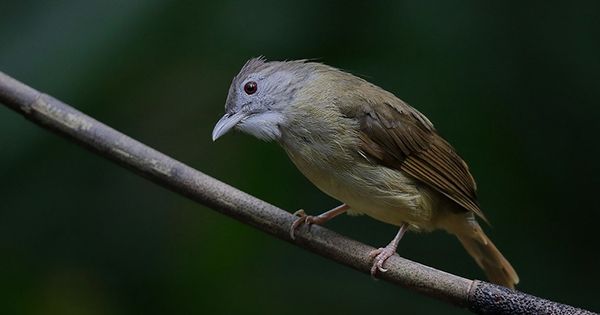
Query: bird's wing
[{"x": 398, "y": 136}]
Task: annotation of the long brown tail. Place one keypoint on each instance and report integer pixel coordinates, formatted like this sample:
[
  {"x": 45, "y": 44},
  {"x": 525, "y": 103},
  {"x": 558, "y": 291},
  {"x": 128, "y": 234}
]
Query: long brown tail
[{"x": 488, "y": 257}]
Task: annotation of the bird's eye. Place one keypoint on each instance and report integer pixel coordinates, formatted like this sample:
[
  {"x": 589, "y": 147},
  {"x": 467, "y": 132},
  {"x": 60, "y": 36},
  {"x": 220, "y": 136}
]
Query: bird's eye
[{"x": 250, "y": 87}]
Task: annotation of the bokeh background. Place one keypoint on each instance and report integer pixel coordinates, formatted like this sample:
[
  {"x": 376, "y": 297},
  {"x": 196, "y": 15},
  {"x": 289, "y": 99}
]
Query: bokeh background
[{"x": 514, "y": 86}]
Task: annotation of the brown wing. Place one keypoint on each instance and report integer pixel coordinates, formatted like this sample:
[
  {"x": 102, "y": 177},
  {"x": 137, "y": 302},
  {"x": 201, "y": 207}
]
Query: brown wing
[{"x": 398, "y": 136}]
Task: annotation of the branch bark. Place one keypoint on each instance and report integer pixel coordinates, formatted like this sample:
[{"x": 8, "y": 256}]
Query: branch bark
[{"x": 478, "y": 296}]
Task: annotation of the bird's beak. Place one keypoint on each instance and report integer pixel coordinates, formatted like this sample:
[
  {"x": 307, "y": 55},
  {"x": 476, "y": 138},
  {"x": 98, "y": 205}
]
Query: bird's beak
[{"x": 226, "y": 123}]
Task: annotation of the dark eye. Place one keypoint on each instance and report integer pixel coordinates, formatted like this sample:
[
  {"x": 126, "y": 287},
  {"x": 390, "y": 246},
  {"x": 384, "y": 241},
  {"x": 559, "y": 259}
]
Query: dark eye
[{"x": 250, "y": 87}]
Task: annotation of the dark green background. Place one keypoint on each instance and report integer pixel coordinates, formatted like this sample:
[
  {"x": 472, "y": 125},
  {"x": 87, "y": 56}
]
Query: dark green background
[{"x": 514, "y": 87}]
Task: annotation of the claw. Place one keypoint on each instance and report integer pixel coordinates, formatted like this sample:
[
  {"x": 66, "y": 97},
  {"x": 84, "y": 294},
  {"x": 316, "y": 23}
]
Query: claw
[
  {"x": 303, "y": 218},
  {"x": 380, "y": 255},
  {"x": 380, "y": 266},
  {"x": 300, "y": 213}
]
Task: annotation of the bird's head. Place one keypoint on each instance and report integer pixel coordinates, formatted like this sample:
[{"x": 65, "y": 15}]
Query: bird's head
[{"x": 259, "y": 95}]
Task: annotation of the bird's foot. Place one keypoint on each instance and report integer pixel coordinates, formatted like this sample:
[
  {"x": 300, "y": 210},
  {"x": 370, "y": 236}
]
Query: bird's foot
[
  {"x": 320, "y": 219},
  {"x": 304, "y": 219},
  {"x": 379, "y": 256}
]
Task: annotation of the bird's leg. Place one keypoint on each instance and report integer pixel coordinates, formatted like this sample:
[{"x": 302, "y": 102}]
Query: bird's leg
[
  {"x": 320, "y": 219},
  {"x": 381, "y": 254}
]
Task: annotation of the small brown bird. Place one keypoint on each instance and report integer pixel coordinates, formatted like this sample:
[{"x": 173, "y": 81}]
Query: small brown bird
[{"x": 365, "y": 147}]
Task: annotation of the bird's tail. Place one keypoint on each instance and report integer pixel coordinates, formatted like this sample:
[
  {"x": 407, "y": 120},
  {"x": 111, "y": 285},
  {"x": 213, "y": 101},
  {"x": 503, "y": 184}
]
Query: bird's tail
[{"x": 488, "y": 257}]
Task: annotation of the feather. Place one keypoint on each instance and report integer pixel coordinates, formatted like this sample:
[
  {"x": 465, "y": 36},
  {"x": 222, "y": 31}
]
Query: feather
[{"x": 394, "y": 134}]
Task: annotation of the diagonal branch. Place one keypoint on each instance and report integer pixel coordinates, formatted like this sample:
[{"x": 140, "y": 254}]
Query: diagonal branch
[{"x": 480, "y": 297}]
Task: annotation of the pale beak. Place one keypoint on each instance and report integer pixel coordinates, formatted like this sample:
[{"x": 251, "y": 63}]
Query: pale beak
[{"x": 226, "y": 123}]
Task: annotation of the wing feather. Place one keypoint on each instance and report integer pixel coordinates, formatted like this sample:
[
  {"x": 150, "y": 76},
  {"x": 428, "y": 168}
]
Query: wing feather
[{"x": 398, "y": 136}]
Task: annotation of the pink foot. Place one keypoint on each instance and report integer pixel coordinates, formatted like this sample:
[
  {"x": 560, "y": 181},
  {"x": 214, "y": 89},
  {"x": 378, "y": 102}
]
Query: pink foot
[
  {"x": 380, "y": 255},
  {"x": 320, "y": 219},
  {"x": 303, "y": 219}
]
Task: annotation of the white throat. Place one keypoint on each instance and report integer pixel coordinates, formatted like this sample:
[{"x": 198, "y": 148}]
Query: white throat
[{"x": 264, "y": 126}]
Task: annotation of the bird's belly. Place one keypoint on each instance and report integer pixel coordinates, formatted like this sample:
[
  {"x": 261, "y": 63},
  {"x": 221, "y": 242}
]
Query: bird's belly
[
  {"x": 393, "y": 207},
  {"x": 379, "y": 192}
]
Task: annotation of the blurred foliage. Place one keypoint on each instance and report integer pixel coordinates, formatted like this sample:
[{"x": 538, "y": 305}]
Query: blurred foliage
[{"x": 514, "y": 86}]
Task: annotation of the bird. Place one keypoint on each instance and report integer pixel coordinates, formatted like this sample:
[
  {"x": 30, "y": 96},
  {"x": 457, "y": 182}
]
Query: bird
[{"x": 366, "y": 148}]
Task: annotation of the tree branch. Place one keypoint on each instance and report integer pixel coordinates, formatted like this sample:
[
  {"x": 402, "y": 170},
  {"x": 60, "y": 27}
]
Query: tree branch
[{"x": 478, "y": 296}]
